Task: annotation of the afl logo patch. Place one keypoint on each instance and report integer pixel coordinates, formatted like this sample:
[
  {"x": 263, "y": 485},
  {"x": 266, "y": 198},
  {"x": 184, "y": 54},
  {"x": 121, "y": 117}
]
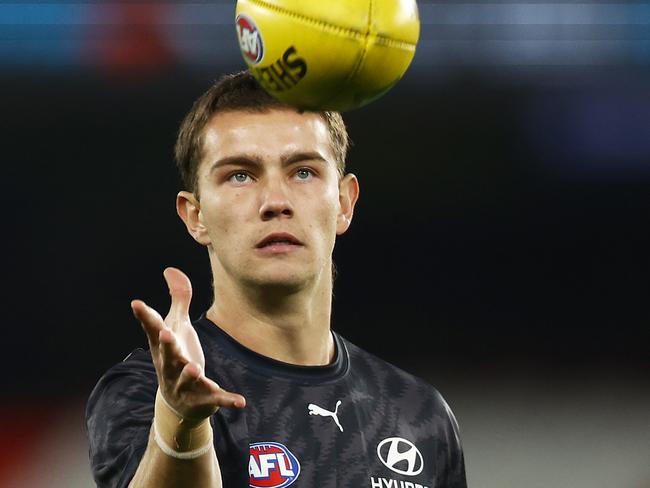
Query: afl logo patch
[
  {"x": 250, "y": 39},
  {"x": 272, "y": 465},
  {"x": 401, "y": 456}
]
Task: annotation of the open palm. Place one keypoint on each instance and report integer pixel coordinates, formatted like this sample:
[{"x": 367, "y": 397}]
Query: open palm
[{"x": 178, "y": 356}]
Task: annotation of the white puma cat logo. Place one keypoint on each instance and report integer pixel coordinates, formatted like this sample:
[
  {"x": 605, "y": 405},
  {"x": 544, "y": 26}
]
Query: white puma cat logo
[{"x": 316, "y": 410}]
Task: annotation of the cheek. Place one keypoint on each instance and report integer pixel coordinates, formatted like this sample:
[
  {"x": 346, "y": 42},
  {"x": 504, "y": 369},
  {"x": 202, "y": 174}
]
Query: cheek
[
  {"x": 327, "y": 216},
  {"x": 220, "y": 219}
]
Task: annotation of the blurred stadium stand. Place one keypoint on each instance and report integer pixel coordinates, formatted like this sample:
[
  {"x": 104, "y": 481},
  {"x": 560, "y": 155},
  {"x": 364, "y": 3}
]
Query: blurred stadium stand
[{"x": 199, "y": 35}]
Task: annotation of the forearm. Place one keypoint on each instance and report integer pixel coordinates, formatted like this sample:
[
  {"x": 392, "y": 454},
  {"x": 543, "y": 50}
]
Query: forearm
[{"x": 180, "y": 452}]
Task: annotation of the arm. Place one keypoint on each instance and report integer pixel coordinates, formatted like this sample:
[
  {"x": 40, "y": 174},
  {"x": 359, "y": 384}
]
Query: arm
[
  {"x": 455, "y": 470},
  {"x": 180, "y": 450}
]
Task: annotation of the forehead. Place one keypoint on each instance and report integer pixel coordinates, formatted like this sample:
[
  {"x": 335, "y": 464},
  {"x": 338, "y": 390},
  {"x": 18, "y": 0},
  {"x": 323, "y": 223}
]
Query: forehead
[{"x": 267, "y": 134}]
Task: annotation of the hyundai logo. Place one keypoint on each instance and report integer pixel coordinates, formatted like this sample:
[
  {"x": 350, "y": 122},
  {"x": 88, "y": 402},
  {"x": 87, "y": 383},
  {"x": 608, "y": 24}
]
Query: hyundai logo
[{"x": 401, "y": 456}]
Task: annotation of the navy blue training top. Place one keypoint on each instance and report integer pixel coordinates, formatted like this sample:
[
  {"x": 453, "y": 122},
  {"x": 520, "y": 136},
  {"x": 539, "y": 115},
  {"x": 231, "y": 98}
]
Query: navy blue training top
[{"x": 358, "y": 422}]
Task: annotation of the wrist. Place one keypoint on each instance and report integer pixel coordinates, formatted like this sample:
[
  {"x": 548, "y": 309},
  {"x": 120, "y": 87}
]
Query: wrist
[{"x": 179, "y": 436}]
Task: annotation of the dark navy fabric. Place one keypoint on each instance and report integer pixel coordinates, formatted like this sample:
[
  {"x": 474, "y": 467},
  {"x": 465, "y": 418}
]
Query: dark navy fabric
[{"x": 397, "y": 430}]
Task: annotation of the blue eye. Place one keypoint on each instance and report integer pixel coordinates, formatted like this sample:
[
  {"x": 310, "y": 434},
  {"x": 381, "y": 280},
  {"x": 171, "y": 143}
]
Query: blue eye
[
  {"x": 304, "y": 173},
  {"x": 239, "y": 177}
]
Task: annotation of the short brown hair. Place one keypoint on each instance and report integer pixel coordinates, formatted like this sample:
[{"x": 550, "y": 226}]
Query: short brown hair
[{"x": 239, "y": 91}]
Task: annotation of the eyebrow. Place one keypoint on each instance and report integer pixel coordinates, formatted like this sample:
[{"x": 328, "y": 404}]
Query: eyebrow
[{"x": 256, "y": 161}]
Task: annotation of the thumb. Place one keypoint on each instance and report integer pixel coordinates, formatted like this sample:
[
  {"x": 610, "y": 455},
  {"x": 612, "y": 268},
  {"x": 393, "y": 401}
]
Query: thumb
[{"x": 180, "y": 289}]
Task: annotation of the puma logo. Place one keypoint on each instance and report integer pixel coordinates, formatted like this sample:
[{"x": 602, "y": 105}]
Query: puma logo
[{"x": 316, "y": 410}]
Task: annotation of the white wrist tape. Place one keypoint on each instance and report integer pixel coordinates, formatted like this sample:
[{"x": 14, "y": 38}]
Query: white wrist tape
[
  {"x": 176, "y": 454},
  {"x": 182, "y": 432}
]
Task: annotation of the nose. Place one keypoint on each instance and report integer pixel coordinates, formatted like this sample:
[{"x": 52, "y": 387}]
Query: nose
[{"x": 275, "y": 201}]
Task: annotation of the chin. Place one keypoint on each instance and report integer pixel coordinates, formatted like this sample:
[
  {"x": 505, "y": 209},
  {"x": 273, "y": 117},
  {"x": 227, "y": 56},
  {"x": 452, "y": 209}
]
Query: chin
[
  {"x": 281, "y": 287},
  {"x": 287, "y": 281}
]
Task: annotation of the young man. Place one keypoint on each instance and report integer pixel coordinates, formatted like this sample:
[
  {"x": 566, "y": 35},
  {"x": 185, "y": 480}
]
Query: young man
[{"x": 259, "y": 391}]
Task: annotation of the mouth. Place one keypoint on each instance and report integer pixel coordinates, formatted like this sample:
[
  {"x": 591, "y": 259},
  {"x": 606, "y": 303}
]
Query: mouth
[{"x": 279, "y": 242}]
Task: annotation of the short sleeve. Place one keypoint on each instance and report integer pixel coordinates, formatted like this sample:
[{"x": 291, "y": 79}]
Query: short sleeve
[
  {"x": 118, "y": 419},
  {"x": 454, "y": 476}
]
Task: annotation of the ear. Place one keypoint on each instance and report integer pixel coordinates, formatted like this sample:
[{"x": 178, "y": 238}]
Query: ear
[
  {"x": 189, "y": 210},
  {"x": 348, "y": 195}
]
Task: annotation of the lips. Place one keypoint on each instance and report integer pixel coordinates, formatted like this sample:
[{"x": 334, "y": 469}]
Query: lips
[{"x": 278, "y": 238}]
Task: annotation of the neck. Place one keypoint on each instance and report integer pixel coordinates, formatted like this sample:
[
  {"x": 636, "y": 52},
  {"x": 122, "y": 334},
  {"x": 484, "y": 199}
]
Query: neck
[{"x": 289, "y": 326}]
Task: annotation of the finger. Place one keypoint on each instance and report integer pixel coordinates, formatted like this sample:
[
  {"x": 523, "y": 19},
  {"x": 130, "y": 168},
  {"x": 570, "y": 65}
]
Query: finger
[
  {"x": 224, "y": 398},
  {"x": 150, "y": 320},
  {"x": 180, "y": 289},
  {"x": 190, "y": 375},
  {"x": 194, "y": 379},
  {"x": 193, "y": 382},
  {"x": 172, "y": 357}
]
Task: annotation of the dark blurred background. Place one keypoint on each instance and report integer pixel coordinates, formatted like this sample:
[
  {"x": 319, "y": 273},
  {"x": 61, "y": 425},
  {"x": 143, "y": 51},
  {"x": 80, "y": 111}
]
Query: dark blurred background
[{"x": 499, "y": 249}]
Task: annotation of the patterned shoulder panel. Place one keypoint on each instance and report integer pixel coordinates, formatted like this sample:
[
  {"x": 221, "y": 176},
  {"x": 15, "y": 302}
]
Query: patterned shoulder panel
[{"x": 407, "y": 422}]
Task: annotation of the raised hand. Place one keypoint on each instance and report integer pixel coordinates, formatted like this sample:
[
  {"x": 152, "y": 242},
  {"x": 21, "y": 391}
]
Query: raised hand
[{"x": 178, "y": 356}]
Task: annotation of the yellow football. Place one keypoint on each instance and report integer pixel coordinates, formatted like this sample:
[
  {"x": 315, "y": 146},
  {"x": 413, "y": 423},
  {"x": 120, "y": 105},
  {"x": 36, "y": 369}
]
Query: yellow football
[{"x": 327, "y": 54}]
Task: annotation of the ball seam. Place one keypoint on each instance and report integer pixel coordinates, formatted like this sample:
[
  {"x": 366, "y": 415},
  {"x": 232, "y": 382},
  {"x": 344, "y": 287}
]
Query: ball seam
[
  {"x": 364, "y": 49},
  {"x": 379, "y": 39}
]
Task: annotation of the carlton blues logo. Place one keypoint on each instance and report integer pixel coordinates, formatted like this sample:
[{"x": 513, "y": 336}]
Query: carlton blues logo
[
  {"x": 272, "y": 465},
  {"x": 250, "y": 39}
]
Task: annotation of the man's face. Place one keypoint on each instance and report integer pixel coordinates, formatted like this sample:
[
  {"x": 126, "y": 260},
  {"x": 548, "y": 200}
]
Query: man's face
[{"x": 271, "y": 203}]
